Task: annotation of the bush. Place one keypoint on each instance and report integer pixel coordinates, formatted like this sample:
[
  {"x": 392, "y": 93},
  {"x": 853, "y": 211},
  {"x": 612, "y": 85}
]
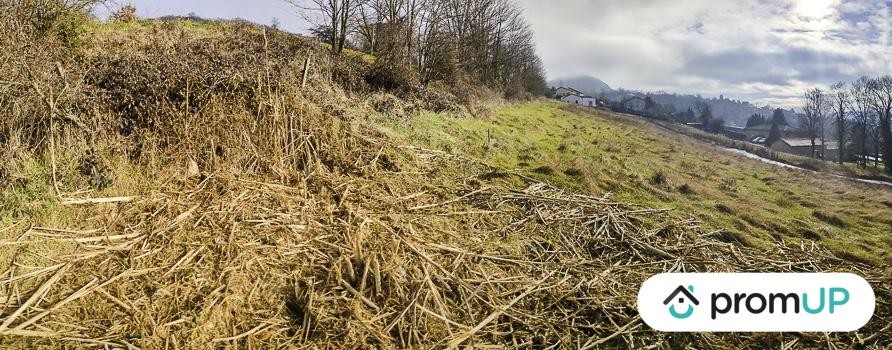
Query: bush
[
  {"x": 52, "y": 20},
  {"x": 544, "y": 170},
  {"x": 660, "y": 179},
  {"x": 438, "y": 98},
  {"x": 573, "y": 172},
  {"x": 393, "y": 76},
  {"x": 347, "y": 72},
  {"x": 125, "y": 14},
  {"x": 38, "y": 41},
  {"x": 388, "y": 104},
  {"x": 685, "y": 189},
  {"x": 724, "y": 209}
]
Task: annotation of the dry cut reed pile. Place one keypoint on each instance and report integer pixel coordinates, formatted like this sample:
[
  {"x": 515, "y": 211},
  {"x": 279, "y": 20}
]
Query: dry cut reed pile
[
  {"x": 386, "y": 260},
  {"x": 297, "y": 224}
]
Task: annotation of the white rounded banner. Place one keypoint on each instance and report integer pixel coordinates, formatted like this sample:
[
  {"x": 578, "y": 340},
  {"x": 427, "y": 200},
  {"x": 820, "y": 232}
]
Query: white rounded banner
[{"x": 756, "y": 302}]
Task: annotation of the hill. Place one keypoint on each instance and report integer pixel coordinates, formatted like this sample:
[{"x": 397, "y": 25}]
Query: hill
[
  {"x": 589, "y": 85},
  {"x": 735, "y": 112},
  {"x": 187, "y": 185}
]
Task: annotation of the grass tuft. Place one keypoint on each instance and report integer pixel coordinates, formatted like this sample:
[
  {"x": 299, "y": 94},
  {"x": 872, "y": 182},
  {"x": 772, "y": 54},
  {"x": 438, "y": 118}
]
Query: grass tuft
[{"x": 830, "y": 219}]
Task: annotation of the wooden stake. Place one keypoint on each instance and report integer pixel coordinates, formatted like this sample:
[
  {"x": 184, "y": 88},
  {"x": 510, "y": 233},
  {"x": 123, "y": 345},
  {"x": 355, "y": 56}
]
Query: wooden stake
[
  {"x": 53, "y": 155},
  {"x": 303, "y": 82}
]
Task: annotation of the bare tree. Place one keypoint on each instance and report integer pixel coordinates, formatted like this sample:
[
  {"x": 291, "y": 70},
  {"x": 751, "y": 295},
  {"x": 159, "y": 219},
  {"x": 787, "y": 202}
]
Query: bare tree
[
  {"x": 873, "y": 132},
  {"x": 485, "y": 40},
  {"x": 333, "y": 18},
  {"x": 812, "y": 122},
  {"x": 704, "y": 111},
  {"x": 881, "y": 90},
  {"x": 387, "y": 23},
  {"x": 863, "y": 114},
  {"x": 841, "y": 101}
]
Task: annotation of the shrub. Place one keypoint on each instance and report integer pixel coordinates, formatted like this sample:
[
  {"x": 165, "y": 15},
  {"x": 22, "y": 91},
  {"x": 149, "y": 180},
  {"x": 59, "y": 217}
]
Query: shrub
[
  {"x": 390, "y": 75},
  {"x": 544, "y": 170},
  {"x": 125, "y": 14},
  {"x": 810, "y": 235},
  {"x": 728, "y": 185},
  {"x": 724, "y": 209},
  {"x": 659, "y": 179},
  {"x": 438, "y": 97},
  {"x": 53, "y": 20},
  {"x": 93, "y": 167},
  {"x": 388, "y": 104},
  {"x": 573, "y": 172}
]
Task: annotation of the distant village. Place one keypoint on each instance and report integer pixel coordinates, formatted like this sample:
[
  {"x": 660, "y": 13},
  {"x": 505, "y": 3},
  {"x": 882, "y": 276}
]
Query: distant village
[{"x": 774, "y": 132}]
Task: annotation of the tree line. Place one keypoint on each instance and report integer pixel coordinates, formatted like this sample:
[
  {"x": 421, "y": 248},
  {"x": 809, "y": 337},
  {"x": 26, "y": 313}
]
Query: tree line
[
  {"x": 416, "y": 42},
  {"x": 777, "y": 121},
  {"x": 700, "y": 113},
  {"x": 856, "y": 115}
]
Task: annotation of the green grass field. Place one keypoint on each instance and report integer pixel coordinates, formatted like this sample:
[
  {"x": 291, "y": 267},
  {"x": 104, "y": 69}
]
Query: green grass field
[{"x": 739, "y": 199}]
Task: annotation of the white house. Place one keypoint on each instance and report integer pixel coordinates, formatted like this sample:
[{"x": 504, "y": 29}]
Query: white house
[
  {"x": 581, "y": 100},
  {"x": 565, "y": 91}
]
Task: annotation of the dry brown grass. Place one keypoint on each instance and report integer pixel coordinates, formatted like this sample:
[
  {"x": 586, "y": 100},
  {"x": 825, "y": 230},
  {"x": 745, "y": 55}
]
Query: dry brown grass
[
  {"x": 281, "y": 219},
  {"x": 384, "y": 259}
]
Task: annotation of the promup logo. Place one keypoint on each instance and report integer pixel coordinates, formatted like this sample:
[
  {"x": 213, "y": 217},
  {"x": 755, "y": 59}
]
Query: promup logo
[
  {"x": 756, "y": 302},
  {"x": 685, "y": 293}
]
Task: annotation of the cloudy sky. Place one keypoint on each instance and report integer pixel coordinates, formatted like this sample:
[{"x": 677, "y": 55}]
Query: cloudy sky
[{"x": 765, "y": 51}]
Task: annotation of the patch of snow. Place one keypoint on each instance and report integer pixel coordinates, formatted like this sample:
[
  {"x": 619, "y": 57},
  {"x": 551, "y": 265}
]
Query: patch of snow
[{"x": 788, "y": 166}]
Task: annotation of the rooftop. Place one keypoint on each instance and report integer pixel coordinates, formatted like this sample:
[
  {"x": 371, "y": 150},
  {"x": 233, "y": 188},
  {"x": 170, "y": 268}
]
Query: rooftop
[
  {"x": 767, "y": 126},
  {"x": 807, "y": 143},
  {"x": 569, "y": 88}
]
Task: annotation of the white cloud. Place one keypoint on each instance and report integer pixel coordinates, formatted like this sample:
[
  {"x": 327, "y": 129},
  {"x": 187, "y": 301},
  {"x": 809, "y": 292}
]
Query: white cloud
[{"x": 767, "y": 51}]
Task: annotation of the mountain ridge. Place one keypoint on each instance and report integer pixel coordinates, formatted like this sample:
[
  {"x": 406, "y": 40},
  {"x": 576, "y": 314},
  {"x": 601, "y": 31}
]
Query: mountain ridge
[
  {"x": 734, "y": 111},
  {"x": 587, "y": 84}
]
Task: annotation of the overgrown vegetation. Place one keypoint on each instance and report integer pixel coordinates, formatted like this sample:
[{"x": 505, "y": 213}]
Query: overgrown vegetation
[{"x": 174, "y": 184}]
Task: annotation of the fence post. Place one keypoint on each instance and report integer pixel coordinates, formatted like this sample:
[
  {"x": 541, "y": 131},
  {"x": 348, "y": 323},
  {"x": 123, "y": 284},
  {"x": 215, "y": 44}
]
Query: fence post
[{"x": 306, "y": 71}]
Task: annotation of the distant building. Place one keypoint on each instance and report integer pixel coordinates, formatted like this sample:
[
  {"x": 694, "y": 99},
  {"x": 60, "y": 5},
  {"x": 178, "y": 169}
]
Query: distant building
[
  {"x": 831, "y": 151},
  {"x": 764, "y": 130},
  {"x": 802, "y": 147},
  {"x": 635, "y": 103},
  {"x": 736, "y": 133},
  {"x": 565, "y": 91},
  {"x": 581, "y": 100}
]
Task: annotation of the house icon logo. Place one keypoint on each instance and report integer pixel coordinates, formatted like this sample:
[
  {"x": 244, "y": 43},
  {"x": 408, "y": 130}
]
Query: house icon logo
[{"x": 682, "y": 294}]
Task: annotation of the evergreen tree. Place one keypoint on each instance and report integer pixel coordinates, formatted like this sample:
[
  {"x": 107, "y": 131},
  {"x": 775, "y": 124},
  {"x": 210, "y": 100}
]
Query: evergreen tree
[
  {"x": 774, "y": 135},
  {"x": 755, "y": 119},
  {"x": 716, "y": 125},
  {"x": 778, "y": 117}
]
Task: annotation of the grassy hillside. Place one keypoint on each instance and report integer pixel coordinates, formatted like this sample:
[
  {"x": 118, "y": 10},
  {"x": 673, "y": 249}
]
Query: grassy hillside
[
  {"x": 738, "y": 199},
  {"x": 260, "y": 214}
]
